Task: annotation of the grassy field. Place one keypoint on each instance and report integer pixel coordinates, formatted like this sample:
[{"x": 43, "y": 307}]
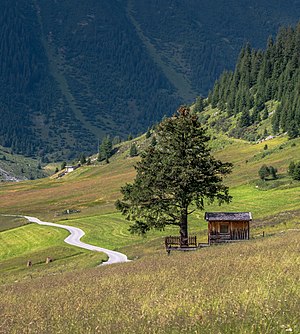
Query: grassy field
[
  {"x": 7, "y": 223},
  {"x": 36, "y": 243},
  {"x": 250, "y": 287},
  {"x": 92, "y": 191}
]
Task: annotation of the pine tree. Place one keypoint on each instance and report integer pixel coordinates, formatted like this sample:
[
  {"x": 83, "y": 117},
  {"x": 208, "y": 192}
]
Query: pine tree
[
  {"x": 245, "y": 119},
  {"x": 273, "y": 172},
  {"x": 105, "y": 149},
  {"x": 133, "y": 150},
  {"x": 199, "y": 104},
  {"x": 296, "y": 172},
  {"x": 63, "y": 165},
  {"x": 174, "y": 177},
  {"x": 291, "y": 168}
]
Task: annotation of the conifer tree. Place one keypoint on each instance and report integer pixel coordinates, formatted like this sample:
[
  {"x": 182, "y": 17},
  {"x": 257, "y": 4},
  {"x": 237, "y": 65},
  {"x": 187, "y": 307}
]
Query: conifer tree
[
  {"x": 105, "y": 149},
  {"x": 133, "y": 150},
  {"x": 291, "y": 168},
  {"x": 174, "y": 177}
]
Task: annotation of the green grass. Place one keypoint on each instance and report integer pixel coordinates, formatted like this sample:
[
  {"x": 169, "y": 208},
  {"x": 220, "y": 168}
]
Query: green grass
[
  {"x": 7, "y": 223},
  {"x": 250, "y": 287},
  {"x": 92, "y": 191},
  {"x": 25, "y": 239},
  {"x": 34, "y": 242},
  {"x": 64, "y": 259},
  {"x": 111, "y": 231}
]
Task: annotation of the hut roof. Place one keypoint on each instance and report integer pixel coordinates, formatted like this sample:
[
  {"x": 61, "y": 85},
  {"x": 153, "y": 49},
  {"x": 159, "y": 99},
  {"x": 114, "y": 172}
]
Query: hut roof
[{"x": 228, "y": 216}]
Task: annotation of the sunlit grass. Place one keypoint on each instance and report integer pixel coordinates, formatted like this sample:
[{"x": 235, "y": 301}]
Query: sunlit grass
[
  {"x": 250, "y": 287},
  {"x": 34, "y": 242}
]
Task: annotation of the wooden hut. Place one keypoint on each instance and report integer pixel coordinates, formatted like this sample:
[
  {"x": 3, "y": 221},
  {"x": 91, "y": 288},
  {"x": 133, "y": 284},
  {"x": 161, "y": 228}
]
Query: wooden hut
[{"x": 228, "y": 226}]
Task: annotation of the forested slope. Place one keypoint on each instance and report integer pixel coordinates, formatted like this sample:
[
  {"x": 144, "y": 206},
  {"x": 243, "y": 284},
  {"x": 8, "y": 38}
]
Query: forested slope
[
  {"x": 74, "y": 71},
  {"x": 261, "y": 79}
]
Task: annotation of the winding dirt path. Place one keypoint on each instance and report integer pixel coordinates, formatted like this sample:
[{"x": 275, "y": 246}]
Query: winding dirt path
[{"x": 74, "y": 240}]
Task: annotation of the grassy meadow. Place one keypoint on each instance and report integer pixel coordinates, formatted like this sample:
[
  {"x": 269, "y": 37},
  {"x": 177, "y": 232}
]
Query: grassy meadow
[
  {"x": 36, "y": 243},
  {"x": 249, "y": 287}
]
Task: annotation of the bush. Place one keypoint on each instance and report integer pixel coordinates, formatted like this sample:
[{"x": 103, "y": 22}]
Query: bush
[{"x": 266, "y": 171}]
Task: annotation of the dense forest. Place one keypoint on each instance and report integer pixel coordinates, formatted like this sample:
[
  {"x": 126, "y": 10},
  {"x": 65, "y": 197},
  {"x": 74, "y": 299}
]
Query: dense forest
[
  {"x": 72, "y": 72},
  {"x": 260, "y": 77}
]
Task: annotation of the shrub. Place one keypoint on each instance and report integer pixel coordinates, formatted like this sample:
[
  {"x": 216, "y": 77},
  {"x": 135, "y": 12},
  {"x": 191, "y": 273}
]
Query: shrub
[{"x": 266, "y": 171}]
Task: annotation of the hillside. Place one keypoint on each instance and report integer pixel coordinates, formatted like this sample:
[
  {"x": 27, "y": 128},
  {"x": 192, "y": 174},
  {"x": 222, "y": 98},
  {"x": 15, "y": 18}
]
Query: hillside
[
  {"x": 14, "y": 167},
  {"x": 72, "y": 72},
  {"x": 182, "y": 292},
  {"x": 261, "y": 96}
]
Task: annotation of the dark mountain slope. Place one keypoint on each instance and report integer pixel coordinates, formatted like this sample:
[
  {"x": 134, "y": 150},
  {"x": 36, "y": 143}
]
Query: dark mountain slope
[
  {"x": 74, "y": 71},
  {"x": 202, "y": 38},
  {"x": 114, "y": 81}
]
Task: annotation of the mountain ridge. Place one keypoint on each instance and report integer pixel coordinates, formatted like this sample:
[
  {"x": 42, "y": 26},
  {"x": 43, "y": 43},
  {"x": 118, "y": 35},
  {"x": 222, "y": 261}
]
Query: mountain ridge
[{"x": 73, "y": 72}]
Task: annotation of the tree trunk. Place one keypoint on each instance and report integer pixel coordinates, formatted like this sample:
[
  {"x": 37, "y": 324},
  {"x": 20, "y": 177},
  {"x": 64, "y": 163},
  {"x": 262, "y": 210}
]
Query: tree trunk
[{"x": 183, "y": 229}]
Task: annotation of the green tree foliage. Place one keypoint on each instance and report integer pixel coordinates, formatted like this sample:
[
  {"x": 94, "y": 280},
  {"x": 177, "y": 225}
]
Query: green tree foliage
[
  {"x": 174, "y": 177},
  {"x": 133, "y": 150},
  {"x": 63, "y": 165},
  {"x": 291, "y": 168},
  {"x": 294, "y": 170},
  {"x": 265, "y": 172},
  {"x": 153, "y": 141},
  {"x": 262, "y": 76},
  {"x": 148, "y": 134},
  {"x": 82, "y": 158},
  {"x": 199, "y": 104},
  {"x": 105, "y": 149},
  {"x": 92, "y": 65},
  {"x": 116, "y": 140},
  {"x": 273, "y": 172}
]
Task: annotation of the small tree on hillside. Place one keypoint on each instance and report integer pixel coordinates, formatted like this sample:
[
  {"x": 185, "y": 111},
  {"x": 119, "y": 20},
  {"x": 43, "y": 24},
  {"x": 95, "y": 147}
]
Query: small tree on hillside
[
  {"x": 82, "y": 158},
  {"x": 291, "y": 168},
  {"x": 63, "y": 165},
  {"x": 133, "y": 150},
  {"x": 273, "y": 172},
  {"x": 296, "y": 172},
  {"x": 264, "y": 172},
  {"x": 105, "y": 149},
  {"x": 199, "y": 104},
  {"x": 174, "y": 177}
]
